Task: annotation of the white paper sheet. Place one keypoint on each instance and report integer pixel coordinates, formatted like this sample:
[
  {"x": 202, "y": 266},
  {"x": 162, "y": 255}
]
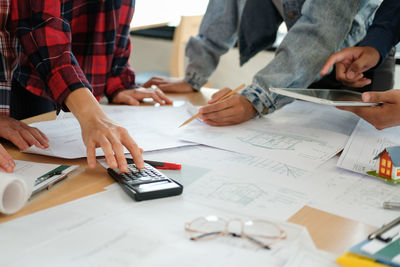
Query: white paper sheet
[
  {"x": 355, "y": 196},
  {"x": 365, "y": 144},
  {"x": 212, "y": 158},
  {"x": 233, "y": 181},
  {"x": 109, "y": 229},
  {"x": 17, "y": 187},
  {"x": 234, "y": 190},
  {"x": 329, "y": 188},
  {"x": 151, "y": 128},
  {"x": 297, "y": 135},
  {"x": 312, "y": 258}
]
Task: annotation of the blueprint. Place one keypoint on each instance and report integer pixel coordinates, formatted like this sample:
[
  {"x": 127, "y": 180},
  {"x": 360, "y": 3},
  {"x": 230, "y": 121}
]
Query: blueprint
[
  {"x": 365, "y": 144},
  {"x": 354, "y": 196},
  {"x": 298, "y": 135},
  {"x": 109, "y": 229}
]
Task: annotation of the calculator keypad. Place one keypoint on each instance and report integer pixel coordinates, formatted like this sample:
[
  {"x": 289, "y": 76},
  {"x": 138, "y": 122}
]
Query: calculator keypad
[{"x": 137, "y": 177}]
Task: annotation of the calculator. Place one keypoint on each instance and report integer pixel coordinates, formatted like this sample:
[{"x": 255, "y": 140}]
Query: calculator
[{"x": 145, "y": 184}]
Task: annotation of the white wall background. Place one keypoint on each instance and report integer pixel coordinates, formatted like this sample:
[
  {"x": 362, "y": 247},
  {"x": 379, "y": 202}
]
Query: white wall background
[{"x": 150, "y": 54}]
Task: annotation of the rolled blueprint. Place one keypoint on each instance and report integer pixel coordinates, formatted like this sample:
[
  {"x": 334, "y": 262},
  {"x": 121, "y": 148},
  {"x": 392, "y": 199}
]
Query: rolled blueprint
[{"x": 14, "y": 193}]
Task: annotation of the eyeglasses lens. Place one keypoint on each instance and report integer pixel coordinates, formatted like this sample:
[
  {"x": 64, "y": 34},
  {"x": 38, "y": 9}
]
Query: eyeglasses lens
[
  {"x": 263, "y": 231},
  {"x": 207, "y": 227}
]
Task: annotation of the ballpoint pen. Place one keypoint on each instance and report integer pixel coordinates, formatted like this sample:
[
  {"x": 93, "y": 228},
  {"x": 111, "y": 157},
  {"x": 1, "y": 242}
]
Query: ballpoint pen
[
  {"x": 391, "y": 205},
  {"x": 384, "y": 228},
  {"x": 164, "y": 165},
  {"x": 47, "y": 176}
]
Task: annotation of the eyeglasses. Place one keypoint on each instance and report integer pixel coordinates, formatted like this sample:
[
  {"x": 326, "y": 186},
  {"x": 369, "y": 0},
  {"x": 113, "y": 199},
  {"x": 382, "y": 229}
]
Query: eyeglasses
[{"x": 260, "y": 232}]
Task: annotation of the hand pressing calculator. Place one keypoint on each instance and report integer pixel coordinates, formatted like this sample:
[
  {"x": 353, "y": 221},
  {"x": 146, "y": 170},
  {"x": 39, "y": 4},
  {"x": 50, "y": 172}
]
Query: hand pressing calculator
[{"x": 145, "y": 184}]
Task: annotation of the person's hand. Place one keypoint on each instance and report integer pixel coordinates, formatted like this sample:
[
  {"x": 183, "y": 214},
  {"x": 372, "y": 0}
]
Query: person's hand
[
  {"x": 385, "y": 115},
  {"x": 134, "y": 96},
  {"x": 350, "y": 64},
  {"x": 169, "y": 85},
  {"x": 7, "y": 164},
  {"x": 22, "y": 135},
  {"x": 99, "y": 131},
  {"x": 232, "y": 110}
]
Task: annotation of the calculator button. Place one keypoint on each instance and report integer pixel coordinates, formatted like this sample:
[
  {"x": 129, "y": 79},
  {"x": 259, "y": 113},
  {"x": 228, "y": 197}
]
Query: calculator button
[{"x": 126, "y": 177}]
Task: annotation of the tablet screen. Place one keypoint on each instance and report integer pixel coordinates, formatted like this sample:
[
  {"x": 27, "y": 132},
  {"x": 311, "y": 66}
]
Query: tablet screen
[
  {"x": 330, "y": 94},
  {"x": 335, "y": 97}
]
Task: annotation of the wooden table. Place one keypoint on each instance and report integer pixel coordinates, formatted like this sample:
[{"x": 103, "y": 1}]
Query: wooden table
[{"x": 329, "y": 232}]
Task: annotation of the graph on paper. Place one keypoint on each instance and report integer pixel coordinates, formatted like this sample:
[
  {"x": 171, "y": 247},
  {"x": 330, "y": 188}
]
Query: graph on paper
[
  {"x": 274, "y": 141},
  {"x": 252, "y": 195},
  {"x": 298, "y": 147},
  {"x": 365, "y": 144}
]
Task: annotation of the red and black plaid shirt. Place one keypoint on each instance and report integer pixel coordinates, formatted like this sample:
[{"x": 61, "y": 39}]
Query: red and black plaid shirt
[
  {"x": 8, "y": 57},
  {"x": 69, "y": 44}
]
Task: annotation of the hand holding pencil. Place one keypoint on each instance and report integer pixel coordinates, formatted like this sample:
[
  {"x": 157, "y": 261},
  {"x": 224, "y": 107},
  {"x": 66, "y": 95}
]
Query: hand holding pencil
[{"x": 226, "y": 108}]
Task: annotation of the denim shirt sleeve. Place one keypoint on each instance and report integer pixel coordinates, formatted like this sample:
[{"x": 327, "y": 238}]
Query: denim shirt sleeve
[
  {"x": 319, "y": 32},
  {"x": 384, "y": 33},
  {"x": 217, "y": 34}
]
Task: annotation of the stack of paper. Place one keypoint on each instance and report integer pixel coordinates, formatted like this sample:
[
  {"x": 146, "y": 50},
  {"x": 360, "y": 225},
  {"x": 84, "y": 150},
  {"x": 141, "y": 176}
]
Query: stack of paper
[
  {"x": 302, "y": 134},
  {"x": 151, "y": 128}
]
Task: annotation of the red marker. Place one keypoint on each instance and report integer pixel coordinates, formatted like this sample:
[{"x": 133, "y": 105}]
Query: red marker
[{"x": 163, "y": 165}]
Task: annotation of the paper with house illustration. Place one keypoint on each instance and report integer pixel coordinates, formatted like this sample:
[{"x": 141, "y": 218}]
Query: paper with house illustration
[
  {"x": 364, "y": 145},
  {"x": 302, "y": 134},
  {"x": 151, "y": 128}
]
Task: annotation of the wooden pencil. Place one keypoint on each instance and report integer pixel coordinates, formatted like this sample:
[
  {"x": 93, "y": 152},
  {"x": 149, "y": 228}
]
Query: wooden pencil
[{"x": 222, "y": 98}]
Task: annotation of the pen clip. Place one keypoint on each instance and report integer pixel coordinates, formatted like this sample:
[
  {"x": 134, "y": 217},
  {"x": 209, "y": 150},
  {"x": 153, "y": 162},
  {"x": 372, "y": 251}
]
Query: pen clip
[
  {"x": 378, "y": 234},
  {"x": 49, "y": 175}
]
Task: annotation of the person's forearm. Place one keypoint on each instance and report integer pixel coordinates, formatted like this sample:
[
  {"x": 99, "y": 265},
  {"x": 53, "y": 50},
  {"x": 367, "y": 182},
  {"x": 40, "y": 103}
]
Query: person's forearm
[
  {"x": 83, "y": 104},
  {"x": 303, "y": 51},
  {"x": 99, "y": 131}
]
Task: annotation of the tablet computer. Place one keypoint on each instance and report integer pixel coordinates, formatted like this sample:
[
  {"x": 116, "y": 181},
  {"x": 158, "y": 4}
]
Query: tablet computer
[{"x": 332, "y": 97}]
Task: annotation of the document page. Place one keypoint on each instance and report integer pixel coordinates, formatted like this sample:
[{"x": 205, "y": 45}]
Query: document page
[
  {"x": 134, "y": 233},
  {"x": 355, "y": 196},
  {"x": 297, "y": 135},
  {"x": 236, "y": 181},
  {"x": 151, "y": 128},
  {"x": 310, "y": 258},
  {"x": 365, "y": 144}
]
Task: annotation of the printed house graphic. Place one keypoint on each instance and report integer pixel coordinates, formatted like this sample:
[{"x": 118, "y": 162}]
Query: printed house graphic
[{"x": 389, "y": 163}]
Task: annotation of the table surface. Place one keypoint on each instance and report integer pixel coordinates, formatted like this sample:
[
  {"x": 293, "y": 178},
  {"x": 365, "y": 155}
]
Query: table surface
[{"x": 329, "y": 232}]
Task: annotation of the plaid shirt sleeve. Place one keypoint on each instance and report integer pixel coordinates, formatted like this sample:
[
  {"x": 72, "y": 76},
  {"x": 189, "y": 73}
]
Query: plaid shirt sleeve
[
  {"x": 122, "y": 76},
  {"x": 46, "y": 39},
  {"x": 8, "y": 56}
]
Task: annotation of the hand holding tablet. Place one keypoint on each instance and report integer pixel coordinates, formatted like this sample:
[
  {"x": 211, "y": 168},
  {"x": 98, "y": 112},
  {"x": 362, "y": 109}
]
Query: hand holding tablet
[{"x": 332, "y": 97}]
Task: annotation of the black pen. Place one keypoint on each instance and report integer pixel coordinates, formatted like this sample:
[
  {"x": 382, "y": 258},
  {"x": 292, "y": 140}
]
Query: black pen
[{"x": 384, "y": 228}]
